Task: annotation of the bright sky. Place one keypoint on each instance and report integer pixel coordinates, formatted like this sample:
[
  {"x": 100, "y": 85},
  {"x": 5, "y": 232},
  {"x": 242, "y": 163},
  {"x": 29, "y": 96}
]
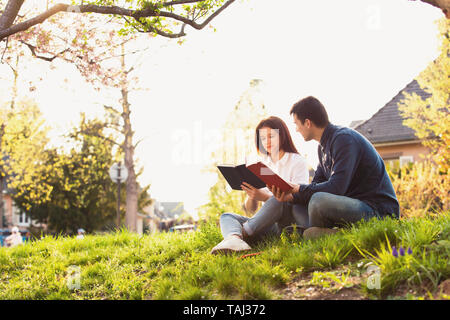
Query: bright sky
[{"x": 353, "y": 55}]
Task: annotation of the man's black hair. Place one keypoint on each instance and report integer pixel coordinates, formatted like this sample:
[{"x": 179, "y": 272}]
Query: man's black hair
[{"x": 311, "y": 108}]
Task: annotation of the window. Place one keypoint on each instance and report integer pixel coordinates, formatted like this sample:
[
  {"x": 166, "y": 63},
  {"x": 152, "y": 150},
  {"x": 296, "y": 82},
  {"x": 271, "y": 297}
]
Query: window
[
  {"x": 21, "y": 218},
  {"x": 405, "y": 160}
]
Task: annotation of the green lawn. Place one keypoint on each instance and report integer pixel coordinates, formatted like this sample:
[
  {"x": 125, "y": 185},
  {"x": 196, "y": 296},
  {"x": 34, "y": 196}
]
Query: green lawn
[{"x": 123, "y": 265}]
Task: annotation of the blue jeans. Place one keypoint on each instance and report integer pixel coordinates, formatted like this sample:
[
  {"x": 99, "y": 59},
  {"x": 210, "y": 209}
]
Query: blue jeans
[
  {"x": 269, "y": 220},
  {"x": 328, "y": 210},
  {"x": 324, "y": 210}
]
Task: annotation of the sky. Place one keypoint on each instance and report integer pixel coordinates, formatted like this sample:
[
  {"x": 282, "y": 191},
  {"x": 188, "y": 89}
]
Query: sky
[{"x": 353, "y": 55}]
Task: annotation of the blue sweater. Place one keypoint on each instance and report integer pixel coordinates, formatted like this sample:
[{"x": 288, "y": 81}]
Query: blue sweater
[{"x": 350, "y": 166}]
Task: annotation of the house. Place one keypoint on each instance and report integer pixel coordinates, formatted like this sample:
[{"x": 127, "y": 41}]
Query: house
[
  {"x": 11, "y": 216},
  {"x": 170, "y": 210},
  {"x": 159, "y": 216},
  {"x": 147, "y": 220},
  {"x": 396, "y": 143}
]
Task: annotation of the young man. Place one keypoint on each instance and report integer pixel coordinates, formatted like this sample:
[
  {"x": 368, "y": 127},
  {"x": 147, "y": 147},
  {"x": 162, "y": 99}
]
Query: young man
[{"x": 350, "y": 183}]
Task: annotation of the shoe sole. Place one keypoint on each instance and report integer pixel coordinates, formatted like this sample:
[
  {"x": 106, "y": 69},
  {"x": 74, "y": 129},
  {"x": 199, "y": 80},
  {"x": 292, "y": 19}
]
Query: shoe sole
[{"x": 227, "y": 251}]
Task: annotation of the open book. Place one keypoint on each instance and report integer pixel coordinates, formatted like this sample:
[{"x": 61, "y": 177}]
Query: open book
[{"x": 258, "y": 175}]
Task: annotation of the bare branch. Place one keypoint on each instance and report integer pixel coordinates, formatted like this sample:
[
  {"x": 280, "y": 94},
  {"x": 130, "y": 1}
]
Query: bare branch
[
  {"x": 173, "y": 3},
  {"x": 33, "y": 21},
  {"x": 99, "y": 136},
  {"x": 4, "y": 51},
  {"x": 139, "y": 141},
  {"x": 33, "y": 52},
  {"x": 191, "y": 22}
]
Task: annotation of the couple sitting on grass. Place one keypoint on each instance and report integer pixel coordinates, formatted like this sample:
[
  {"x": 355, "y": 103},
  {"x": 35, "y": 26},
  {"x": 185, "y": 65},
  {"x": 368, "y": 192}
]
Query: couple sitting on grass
[{"x": 350, "y": 182}]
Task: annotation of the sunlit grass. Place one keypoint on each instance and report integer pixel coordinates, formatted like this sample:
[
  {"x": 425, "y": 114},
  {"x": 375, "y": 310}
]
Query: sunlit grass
[{"x": 124, "y": 265}]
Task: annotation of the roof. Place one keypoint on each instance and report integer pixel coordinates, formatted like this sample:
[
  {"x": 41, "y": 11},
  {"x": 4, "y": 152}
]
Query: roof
[
  {"x": 386, "y": 125},
  {"x": 355, "y": 123}
]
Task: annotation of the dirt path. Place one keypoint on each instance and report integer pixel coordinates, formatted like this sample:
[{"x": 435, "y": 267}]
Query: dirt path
[{"x": 342, "y": 284}]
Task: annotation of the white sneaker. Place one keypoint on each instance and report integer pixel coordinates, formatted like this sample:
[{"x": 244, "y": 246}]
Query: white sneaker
[{"x": 231, "y": 244}]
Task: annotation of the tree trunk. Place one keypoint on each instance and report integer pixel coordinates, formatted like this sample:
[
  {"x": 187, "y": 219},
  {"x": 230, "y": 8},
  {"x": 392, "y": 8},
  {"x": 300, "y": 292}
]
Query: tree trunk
[
  {"x": 2, "y": 207},
  {"x": 128, "y": 147},
  {"x": 10, "y": 13}
]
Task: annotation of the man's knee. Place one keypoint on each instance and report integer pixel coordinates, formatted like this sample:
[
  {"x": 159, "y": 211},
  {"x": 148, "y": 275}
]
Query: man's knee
[
  {"x": 317, "y": 202},
  {"x": 317, "y": 205}
]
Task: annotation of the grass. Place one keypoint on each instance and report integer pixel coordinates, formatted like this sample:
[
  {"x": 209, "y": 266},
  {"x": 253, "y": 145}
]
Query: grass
[{"x": 124, "y": 265}]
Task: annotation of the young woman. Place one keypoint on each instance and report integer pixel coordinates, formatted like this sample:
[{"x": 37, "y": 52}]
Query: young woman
[{"x": 274, "y": 143}]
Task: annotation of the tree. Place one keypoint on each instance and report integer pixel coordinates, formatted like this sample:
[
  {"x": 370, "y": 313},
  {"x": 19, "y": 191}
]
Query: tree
[
  {"x": 23, "y": 138},
  {"x": 430, "y": 118},
  {"x": 105, "y": 66},
  {"x": 155, "y": 17},
  {"x": 97, "y": 48},
  {"x": 238, "y": 141},
  {"x": 83, "y": 194}
]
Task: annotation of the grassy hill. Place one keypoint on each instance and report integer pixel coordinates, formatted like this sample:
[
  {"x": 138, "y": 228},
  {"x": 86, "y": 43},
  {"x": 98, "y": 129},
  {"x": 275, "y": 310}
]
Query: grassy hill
[{"x": 123, "y": 265}]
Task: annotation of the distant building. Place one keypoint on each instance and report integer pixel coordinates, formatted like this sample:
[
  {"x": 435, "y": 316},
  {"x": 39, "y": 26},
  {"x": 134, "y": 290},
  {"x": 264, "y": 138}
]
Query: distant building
[
  {"x": 169, "y": 210},
  {"x": 396, "y": 143},
  {"x": 13, "y": 216},
  {"x": 159, "y": 216}
]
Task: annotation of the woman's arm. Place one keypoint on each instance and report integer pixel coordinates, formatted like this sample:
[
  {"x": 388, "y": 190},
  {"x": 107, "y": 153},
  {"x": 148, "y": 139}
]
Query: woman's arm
[
  {"x": 254, "y": 196},
  {"x": 251, "y": 205}
]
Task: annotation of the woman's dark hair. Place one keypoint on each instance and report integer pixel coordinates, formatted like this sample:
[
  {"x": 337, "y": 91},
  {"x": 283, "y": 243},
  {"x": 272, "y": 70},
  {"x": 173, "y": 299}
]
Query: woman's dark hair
[
  {"x": 286, "y": 143},
  {"x": 312, "y": 109}
]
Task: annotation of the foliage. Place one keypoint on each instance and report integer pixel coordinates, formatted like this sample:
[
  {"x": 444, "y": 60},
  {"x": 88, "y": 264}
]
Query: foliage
[
  {"x": 222, "y": 199},
  {"x": 82, "y": 191},
  {"x": 238, "y": 143},
  {"x": 421, "y": 189},
  {"x": 430, "y": 118},
  {"x": 23, "y": 139},
  {"x": 83, "y": 194},
  {"x": 426, "y": 263}
]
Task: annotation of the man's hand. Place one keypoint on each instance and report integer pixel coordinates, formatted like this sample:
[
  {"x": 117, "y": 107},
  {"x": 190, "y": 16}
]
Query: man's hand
[
  {"x": 284, "y": 196},
  {"x": 281, "y": 195},
  {"x": 253, "y": 193},
  {"x": 295, "y": 187}
]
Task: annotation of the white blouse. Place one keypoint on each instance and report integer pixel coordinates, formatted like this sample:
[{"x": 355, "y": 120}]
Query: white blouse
[{"x": 292, "y": 167}]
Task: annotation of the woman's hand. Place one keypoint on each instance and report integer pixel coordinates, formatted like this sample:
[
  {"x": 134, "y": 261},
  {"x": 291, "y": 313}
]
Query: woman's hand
[{"x": 254, "y": 193}]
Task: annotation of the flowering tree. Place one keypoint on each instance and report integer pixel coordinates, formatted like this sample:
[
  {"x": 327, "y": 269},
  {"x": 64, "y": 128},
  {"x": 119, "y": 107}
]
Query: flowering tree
[{"x": 156, "y": 17}]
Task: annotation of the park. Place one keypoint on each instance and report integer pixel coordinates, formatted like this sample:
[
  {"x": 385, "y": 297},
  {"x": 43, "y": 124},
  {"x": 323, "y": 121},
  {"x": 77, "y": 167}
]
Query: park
[{"x": 116, "y": 115}]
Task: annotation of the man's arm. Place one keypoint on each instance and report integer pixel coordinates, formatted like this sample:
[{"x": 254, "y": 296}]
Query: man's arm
[
  {"x": 318, "y": 175},
  {"x": 345, "y": 161}
]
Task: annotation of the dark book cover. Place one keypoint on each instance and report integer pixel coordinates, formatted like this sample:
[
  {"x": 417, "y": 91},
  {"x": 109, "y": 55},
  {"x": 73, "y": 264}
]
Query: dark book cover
[{"x": 235, "y": 175}]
